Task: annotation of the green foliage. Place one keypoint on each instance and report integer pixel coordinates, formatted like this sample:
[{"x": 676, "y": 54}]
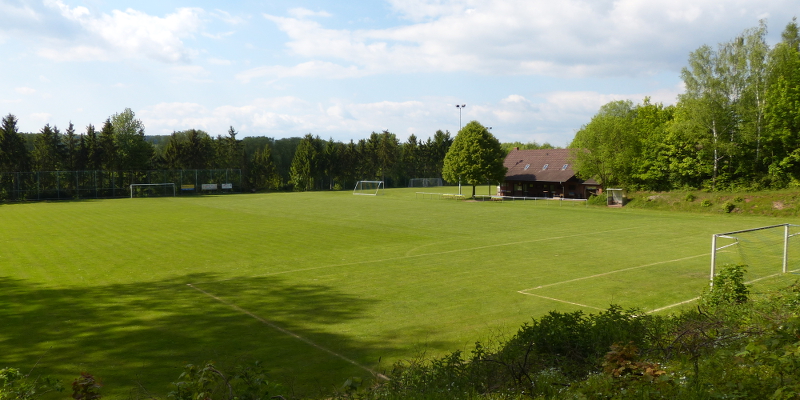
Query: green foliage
[
  {"x": 304, "y": 164},
  {"x": 605, "y": 148},
  {"x": 706, "y": 203},
  {"x": 133, "y": 152},
  {"x": 728, "y": 207},
  {"x": 689, "y": 197},
  {"x": 598, "y": 200},
  {"x": 207, "y": 382},
  {"x": 728, "y": 287},
  {"x": 507, "y": 147},
  {"x": 475, "y": 157},
  {"x": 16, "y": 386}
]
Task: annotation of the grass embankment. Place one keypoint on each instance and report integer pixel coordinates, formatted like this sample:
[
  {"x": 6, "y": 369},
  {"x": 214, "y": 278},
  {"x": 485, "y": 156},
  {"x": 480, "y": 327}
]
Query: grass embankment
[{"x": 773, "y": 203}]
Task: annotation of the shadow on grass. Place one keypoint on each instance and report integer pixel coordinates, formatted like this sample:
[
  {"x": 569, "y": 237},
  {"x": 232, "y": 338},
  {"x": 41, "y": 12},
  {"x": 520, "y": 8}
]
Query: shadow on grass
[{"x": 143, "y": 333}]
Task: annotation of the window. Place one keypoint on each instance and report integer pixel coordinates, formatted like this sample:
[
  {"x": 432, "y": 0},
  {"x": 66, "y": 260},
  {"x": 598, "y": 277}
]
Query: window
[
  {"x": 564, "y": 167},
  {"x": 545, "y": 167},
  {"x": 527, "y": 166}
]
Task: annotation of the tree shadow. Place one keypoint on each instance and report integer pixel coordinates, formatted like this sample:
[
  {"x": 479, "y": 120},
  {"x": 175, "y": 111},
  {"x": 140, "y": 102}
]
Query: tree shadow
[{"x": 144, "y": 332}]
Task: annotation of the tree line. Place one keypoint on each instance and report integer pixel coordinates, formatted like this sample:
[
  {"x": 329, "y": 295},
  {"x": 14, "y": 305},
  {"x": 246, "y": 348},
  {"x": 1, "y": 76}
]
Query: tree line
[
  {"x": 737, "y": 126},
  {"x": 307, "y": 163}
]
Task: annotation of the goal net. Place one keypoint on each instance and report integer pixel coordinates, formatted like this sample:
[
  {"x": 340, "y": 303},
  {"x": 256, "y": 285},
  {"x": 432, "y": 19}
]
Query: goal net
[
  {"x": 766, "y": 251},
  {"x": 152, "y": 189},
  {"x": 425, "y": 182},
  {"x": 369, "y": 188},
  {"x": 616, "y": 197}
]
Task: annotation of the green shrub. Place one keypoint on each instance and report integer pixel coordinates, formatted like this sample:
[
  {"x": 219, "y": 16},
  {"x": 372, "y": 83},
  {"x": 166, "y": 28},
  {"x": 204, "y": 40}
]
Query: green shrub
[
  {"x": 206, "y": 382},
  {"x": 728, "y": 206},
  {"x": 738, "y": 199},
  {"x": 16, "y": 386},
  {"x": 598, "y": 200},
  {"x": 729, "y": 287},
  {"x": 706, "y": 203},
  {"x": 690, "y": 197}
]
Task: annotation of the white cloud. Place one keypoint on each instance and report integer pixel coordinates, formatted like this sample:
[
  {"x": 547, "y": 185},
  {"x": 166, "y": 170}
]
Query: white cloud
[
  {"x": 227, "y": 17},
  {"x": 190, "y": 73},
  {"x": 308, "y": 69},
  {"x": 539, "y": 37},
  {"x": 305, "y": 13},
  {"x": 219, "y": 61},
  {"x": 548, "y": 118},
  {"x": 25, "y": 90},
  {"x": 129, "y": 34},
  {"x": 41, "y": 117}
]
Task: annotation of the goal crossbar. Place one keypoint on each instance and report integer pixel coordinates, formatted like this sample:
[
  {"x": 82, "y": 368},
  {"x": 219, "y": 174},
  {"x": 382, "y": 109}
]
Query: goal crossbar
[
  {"x": 152, "y": 184},
  {"x": 360, "y": 185},
  {"x": 729, "y": 235}
]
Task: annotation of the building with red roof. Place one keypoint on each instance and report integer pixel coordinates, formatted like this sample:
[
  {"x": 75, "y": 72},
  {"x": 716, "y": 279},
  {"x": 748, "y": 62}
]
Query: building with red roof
[{"x": 545, "y": 173}]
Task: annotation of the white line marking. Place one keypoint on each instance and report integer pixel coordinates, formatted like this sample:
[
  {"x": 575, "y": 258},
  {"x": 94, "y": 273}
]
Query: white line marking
[
  {"x": 698, "y": 298},
  {"x": 673, "y": 305},
  {"x": 561, "y": 301},
  {"x": 614, "y": 272},
  {"x": 424, "y": 255},
  {"x": 287, "y": 332}
]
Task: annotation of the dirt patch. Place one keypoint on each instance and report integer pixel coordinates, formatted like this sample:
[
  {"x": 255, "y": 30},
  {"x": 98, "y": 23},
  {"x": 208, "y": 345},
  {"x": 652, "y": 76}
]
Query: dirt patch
[{"x": 778, "y": 205}]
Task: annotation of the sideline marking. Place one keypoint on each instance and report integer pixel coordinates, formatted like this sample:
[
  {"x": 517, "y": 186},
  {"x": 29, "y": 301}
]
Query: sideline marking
[
  {"x": 287, "y": 332},
  {"x": 562, "y": 301},
  {"x": 612, "y": 272},
  {"x": 424, "y": 255}
]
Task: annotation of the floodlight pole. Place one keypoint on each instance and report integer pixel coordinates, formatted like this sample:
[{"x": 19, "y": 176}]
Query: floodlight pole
[{"x": 460, "y": 107}]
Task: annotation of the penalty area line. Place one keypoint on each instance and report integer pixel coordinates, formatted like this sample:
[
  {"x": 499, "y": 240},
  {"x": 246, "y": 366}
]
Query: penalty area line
[
  {"x": 524, "y": 291},
  {"x": 560, "y": 301},
  {"x": 287, "y": 332},
  {"x": 698, "y": 298}
]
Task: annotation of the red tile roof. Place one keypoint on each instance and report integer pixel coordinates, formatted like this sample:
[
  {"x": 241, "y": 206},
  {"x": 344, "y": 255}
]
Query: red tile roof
[{"x": 529, "y": 165}]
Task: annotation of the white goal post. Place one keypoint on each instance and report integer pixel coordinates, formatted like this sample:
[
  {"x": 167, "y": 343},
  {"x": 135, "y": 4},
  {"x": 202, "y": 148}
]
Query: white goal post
[
  {"x": 781, "y": 233},
  {"x": 153, "y": 185},
  {"x": 368, "y": 188}
]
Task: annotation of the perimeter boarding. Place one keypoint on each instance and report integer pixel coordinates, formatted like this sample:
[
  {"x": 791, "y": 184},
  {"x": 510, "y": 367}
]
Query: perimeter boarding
[
  {"x": 169, "y": 189},
  {"x": 497, "y": 198}
]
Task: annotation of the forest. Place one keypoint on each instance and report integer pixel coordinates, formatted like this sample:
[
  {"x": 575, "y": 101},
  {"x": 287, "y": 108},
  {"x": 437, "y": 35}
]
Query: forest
[
  {"x": 307, "y": 163},
  {"x": 736, "y": 126}
]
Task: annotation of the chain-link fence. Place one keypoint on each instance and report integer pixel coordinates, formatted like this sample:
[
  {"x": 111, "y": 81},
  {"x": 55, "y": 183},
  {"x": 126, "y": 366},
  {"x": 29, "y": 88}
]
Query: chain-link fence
[{"x": 69, "y": 185}]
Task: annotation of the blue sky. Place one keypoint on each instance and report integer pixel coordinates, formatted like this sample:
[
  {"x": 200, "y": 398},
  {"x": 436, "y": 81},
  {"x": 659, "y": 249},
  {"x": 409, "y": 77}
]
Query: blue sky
[{"x": 532, "y": 70}]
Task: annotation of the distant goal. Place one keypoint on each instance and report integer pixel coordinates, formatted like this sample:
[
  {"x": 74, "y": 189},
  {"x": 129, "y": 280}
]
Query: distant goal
[
  {"x": 368, "y": 188},
  {"x": 425, "y": 182},
  {"x": 766, "y": 251},
  {"x": 152, "y": 189}
]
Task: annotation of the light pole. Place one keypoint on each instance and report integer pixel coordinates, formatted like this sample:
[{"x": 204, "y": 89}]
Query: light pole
[{"x": 459, "y": 107}]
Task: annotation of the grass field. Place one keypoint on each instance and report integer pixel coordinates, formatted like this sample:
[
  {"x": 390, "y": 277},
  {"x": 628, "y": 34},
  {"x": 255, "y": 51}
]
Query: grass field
[{"x": 321, "y": 286}]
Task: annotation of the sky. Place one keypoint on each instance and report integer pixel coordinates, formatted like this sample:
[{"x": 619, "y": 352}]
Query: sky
[{"x": 533, "y": 70}]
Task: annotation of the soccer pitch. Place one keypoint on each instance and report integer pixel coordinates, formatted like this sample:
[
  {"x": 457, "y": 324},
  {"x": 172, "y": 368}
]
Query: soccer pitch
[{"x": 322, "y": 286}]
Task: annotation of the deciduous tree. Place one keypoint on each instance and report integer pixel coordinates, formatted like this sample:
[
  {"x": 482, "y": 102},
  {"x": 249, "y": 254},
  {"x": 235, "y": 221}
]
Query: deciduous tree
[{"x": 474, "y": 158}]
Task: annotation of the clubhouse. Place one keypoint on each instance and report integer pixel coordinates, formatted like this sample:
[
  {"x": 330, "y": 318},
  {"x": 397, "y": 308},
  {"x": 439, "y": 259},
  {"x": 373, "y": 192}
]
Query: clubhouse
[{"x": 544, "y": 173}]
